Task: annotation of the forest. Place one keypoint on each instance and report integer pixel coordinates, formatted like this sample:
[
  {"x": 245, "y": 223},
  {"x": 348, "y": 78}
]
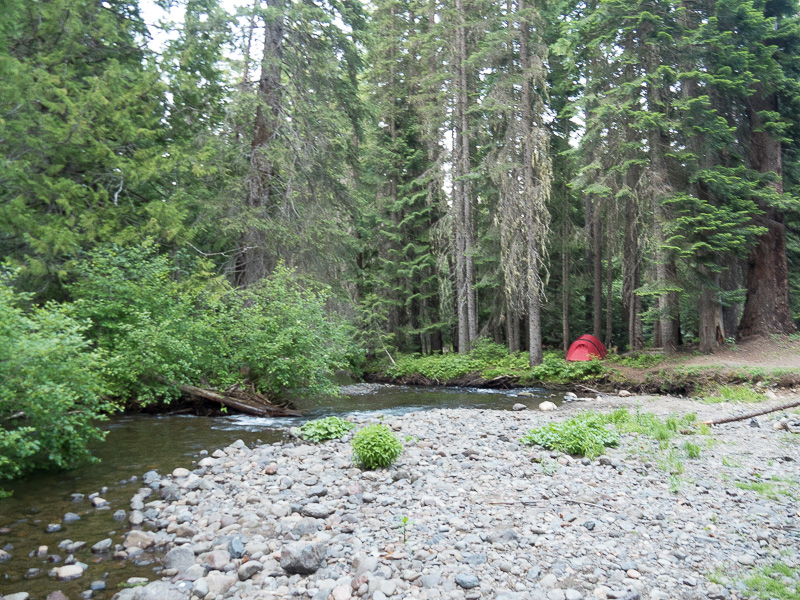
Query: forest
[{"x": 276, "y": 190}]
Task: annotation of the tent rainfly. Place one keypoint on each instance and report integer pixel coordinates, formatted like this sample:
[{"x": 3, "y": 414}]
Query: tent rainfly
[{"x": 586, "y": 347}]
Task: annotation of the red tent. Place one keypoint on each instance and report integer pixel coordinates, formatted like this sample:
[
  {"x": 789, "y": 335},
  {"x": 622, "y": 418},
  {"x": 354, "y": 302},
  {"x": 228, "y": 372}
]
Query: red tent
[{"x": 586, "y": 347}]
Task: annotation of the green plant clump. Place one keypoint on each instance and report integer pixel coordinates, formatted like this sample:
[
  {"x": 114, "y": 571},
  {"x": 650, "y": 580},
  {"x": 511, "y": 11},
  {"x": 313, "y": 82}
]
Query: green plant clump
[
  {"x": 329, "y": 428},
  {"x": 51, "y": 391},
  {"x": 375, "y": 446},
  {"x": 556, "y": 369},
  {"x": 585, "y": 434}
]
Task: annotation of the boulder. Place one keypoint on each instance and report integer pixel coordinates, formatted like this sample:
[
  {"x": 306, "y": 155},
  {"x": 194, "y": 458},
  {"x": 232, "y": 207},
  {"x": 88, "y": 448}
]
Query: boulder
[
  {"x": 301, "y": 557},
  {"x": 68, "y": 572},
  {"x": 547, "y": 406}
]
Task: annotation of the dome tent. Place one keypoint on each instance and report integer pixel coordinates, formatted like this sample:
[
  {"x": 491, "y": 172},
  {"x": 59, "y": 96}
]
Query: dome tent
[{"x": 586, "y": 347}]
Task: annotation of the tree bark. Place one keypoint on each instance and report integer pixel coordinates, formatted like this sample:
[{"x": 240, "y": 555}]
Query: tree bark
[
  {"x": 766, "y": 309},
  {"x": 597, "y": 263},
  {"x": 565, "y": 288},
  {"x": 252, "y": 260}
]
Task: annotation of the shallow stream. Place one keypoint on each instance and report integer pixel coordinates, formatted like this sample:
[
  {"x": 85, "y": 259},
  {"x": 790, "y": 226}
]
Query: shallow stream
[{"x": 139, "y": 443}]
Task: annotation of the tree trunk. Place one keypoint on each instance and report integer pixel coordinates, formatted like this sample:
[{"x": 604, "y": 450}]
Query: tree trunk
[
  {"x": 462, "y": 205},
  {"x": 766, "y": 308},
  {"x": 251, "y": 263},
  {"x": 565, "y": 260},
  {"x": 631, "y": 303},
  {"x": 597, "y": 261},
  {"x": 711, "y": 327},
  {"x": 609, "y": 299}
]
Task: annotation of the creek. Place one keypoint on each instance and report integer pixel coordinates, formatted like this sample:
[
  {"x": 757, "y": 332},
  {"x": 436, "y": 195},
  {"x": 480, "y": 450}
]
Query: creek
[{"x": 138, "y": 443}]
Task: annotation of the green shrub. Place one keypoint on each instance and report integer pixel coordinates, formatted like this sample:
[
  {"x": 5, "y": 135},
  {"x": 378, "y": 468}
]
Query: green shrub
[
  {"x": 51, "y": 389},
  {"x": 585, "y": 434},
  {"x": 555, "y": 368},
  {"x": 375, "y": 446},
  {"x": 166, "y": 321},
  {"x": 733, "y": 393},
  {"x": 329, "y": 428}
]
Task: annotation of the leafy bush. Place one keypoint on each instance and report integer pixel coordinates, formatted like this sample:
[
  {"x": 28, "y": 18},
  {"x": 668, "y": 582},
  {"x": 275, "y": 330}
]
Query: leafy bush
[
  {"x": 375, "y": 446},
  {"x": 51, "y": 389},
  {"x": 167, "y": 321},
  {"x": 585, "y": 434},
  {"x": 329, "y": 428},
  {"x": 555, "y": 367},
  {"x": 487, "y": 358}
]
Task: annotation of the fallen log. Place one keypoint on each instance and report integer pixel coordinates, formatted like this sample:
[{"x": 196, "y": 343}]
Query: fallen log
[
  {"x": 750, "y": 415},
  {"x": 257, "y": 409},
  {"x": 588, "y": 389}
]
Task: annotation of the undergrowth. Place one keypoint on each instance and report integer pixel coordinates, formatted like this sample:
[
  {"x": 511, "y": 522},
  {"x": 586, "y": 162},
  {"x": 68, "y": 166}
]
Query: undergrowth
[
  {"x": 732, "y": 393},
  {"x": 491, "y": 360}
]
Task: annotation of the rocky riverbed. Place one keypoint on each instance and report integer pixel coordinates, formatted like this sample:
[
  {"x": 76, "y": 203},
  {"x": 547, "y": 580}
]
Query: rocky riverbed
[{"x": 469, "y": 512}]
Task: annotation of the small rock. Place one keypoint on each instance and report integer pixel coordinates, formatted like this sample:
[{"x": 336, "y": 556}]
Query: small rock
[
  {"x": 180, "y": 472},
  {"x": 162, "y": 590},
  {"x": 180, "y": 559},
  {"x": 4, "y": 556},
  {"x": 102, "y": 546},
  {"x": 547, "y": 406},
  {"x": 467, "y": 580},
  {"x": 70, "y": 517},
  {"x": 250, "y": 568},
  {"x": 519, "y": 406},
  {"x": 68, "y": 572},
  {"x": 52, "y": 528},
  {"x": 17, "y": 596},
  {"x": 98, "y": 501}
]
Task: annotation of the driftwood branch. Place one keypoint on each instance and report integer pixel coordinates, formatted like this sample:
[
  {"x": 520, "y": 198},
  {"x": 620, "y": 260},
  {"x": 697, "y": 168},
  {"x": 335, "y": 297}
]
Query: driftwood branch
[
  {"x": 750, "y": 415},
  {"x": 256, "y": 409},
  {"x": 588, "y": 389}
]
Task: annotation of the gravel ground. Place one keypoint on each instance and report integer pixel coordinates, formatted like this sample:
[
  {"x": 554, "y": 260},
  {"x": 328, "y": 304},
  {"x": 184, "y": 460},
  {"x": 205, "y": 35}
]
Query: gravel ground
[{"x": 469, "y": 512}]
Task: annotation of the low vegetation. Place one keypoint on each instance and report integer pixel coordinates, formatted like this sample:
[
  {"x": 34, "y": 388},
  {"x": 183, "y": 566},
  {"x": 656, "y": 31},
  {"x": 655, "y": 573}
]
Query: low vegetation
[
  {"x": 489, "y": 361},
  {"x": 775, "y": 582},
  {"x": 329, "y": 428},
  {"x": 589, "y": 433},
  {"x": 375, "y": 446}
]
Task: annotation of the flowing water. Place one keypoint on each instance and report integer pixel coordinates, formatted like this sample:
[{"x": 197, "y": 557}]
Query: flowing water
[{"x": 139, "y": 443}]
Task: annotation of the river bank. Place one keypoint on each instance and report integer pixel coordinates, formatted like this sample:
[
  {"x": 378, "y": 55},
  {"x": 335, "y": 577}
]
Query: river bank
[
  {"x": 773, "y": 362},
  {"x": 467, "y": 512}
]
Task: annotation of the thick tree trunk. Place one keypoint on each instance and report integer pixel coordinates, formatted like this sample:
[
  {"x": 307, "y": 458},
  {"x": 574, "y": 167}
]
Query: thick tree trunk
[
  {"x": 597, "y": 258},
  {"x": 252, "y": 260},
  {"x": 631, "y": 303},
  {"x": 711, "y": 328},
  {"x": 766, "y": 309},
  {"x": 462, "y": 205}
]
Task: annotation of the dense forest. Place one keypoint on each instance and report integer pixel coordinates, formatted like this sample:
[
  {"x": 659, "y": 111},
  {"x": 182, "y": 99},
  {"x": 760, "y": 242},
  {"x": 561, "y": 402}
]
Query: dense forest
[{"x": 273, "y": 191}]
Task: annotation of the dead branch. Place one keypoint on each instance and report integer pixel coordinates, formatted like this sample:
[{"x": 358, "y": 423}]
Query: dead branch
[
  {"x": 588, "y": 389},
  {"x": 750, "y": 415}
]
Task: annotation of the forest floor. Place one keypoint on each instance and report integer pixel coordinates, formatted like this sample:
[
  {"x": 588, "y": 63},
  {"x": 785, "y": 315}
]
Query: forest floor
[{"x": 770, "y": 361}]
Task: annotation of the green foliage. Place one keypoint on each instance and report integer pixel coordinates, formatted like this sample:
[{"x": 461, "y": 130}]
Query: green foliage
[
  {"x": 487, "y": 358},
  {"x": 375, "y": 446},
  {"x": 329, "y": 428},
  {"x": 692, "y": 450},
  {"x": 733, "y": 393},
  {"x": 588, "y": 433},
  {"x": 51, "y": 388},
  {"x": 638, "y": 360},
  {"x": 555, "y": 368},
  {"x": 493, "y": 360},
  {"x": 775, "y": 582},
  {"x": 166, "y": 322},
  {"x": 585, "y": 434}
]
